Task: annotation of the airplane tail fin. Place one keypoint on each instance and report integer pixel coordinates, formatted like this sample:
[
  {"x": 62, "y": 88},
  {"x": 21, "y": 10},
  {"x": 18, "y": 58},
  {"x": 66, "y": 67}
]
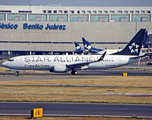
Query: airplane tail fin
[
  {"x": 78, "y": 48},
  {"x": 134, "y": 46},
  {"x": 86, "y": 44}
]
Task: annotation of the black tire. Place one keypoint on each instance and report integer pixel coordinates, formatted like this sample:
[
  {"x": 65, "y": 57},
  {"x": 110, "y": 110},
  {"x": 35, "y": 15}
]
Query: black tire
[
  {"x": 17, "y": 73},
  {"x": 74, "y": 72}
]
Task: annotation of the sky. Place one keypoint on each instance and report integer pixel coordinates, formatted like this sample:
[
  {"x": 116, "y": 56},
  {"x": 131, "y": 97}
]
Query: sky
[{"x": 79, "y": 2}]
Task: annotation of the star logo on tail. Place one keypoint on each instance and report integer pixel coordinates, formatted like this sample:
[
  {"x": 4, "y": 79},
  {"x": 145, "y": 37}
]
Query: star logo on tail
[{"x": 134, "y": 48}]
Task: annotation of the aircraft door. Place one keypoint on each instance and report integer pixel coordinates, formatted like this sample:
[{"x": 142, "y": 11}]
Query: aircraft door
[
  {"x": 119, "y": 60},
  {"x": 20, "y": 62}
]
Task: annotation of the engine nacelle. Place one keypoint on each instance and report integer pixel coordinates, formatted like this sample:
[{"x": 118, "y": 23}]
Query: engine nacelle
[{"x": 59, "y": 69}]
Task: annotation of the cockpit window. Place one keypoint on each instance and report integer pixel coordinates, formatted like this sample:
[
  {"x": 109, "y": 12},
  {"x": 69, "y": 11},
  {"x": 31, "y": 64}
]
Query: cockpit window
[{"x": 11, "y": 60}]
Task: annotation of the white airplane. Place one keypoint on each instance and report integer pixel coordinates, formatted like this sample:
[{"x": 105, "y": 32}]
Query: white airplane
[
  {"x": 65, "y": 63},
  {"x": 96, "y": 51},
  {"x": 88, "y": 49}
]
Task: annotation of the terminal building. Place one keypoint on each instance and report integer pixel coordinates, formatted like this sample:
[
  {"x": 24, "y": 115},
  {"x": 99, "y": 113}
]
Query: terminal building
[{"x": 38, "y": 30}]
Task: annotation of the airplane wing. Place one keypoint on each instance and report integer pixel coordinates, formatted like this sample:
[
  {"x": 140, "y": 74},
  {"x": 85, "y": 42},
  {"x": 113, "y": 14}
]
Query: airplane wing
[{"x": 84, "y": 64}]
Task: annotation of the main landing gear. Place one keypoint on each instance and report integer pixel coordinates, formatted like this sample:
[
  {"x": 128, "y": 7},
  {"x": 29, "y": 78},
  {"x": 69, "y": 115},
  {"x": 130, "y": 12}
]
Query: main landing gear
[
  {"x": 74, "y": 72},
  {"x": 17, "y": 73}
]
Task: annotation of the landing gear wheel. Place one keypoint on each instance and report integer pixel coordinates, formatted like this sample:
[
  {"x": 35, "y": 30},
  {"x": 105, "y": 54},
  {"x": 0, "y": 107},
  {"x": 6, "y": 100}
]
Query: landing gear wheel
[
  {"x": 17, "y": 73},
  {"x": 74, "y": 72}
]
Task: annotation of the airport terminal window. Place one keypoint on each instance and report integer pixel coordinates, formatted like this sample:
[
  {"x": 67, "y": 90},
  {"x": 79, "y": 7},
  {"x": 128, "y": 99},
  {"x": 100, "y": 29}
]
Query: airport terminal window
[
  {"x": 16, "y": 17},
  {"x": 39, "y": 18},
  {"x": 99, "y": 18},
  {"x": 83, "y": 12},
  {"x": 65, "y": 11},
  {"x": 78, "y": 18},
  {"x": 5, "y": 11},
  {"x": 25, "y": 11},
  {"x": 62, "y": 53},
  {"x": 81, "y": 19},
  {"x": 2, "y": 16},
  {"x": 124, "y": 19},
  {"x": 55, "y": 11},
  {"x": 111, "y": 12},
  {"x": 126, "y": 12},
  {"x": 41, "y": 53},
  {"x": 89, "y": 12},
  {"x": 120, "y": 18},
  {"x": 19, "y": 53},
  {"x": 72, "y": 11},
  {"x": 78, "y": 11},
  {"x": 148, "y": 12},
  {"x": 142, "y": 11},
  {"x": 140, "y": 18},
  {"x": 49, "y": 11},
  {"x": 102, "y": 19},
  {"x": 94, "y": 12},
  {"x": 59, "y": 18},
  {"x": 137, "y": 11},
  {"x": 33, "y": 17},
  {"x": 119, "y": 12},
  {"x": 131, "y": 12},
  {"x": 144, "y": 19},
  {"x": 3, "y": 52},
  {"x": 105, "y": 12},
  {"x": 44, "y": 11},
  {"x": 60, "y": 11},
  {"x": 99, "y": 12}
]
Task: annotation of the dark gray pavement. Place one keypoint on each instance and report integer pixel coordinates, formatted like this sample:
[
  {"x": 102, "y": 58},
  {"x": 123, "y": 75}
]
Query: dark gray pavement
[
  {"x": 77, "y": 109},
  {"x": 10, "y": 76}
]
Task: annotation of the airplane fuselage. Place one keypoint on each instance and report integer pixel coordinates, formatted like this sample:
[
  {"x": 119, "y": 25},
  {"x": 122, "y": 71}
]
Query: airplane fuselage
[{"x": 48, "y": 62}]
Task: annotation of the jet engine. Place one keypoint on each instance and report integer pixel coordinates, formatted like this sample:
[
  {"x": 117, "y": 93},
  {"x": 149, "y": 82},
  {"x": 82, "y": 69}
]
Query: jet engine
[{"x": 59, "y": 69}]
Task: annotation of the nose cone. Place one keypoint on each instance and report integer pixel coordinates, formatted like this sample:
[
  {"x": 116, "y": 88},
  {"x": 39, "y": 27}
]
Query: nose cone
[{"x": 5, "y": 64}]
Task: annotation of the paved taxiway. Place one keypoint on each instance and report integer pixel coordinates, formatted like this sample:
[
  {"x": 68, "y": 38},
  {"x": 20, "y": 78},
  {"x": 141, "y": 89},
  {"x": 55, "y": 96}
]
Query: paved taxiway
[
  {"x": 76, "y": 109},
  {"x": 81, "y": 74}
]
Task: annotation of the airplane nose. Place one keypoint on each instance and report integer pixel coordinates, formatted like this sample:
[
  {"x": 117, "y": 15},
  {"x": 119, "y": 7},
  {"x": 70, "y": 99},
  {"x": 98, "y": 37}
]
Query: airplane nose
[{"x": 4, "y": 64}]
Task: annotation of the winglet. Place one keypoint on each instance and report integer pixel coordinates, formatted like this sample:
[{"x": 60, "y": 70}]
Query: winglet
[{"x": 102, "y": 57}]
